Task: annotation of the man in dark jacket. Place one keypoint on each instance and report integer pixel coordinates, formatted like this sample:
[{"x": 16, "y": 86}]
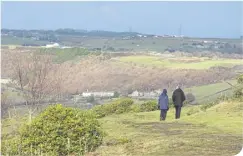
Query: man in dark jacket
[
  {"x": 163, "y": 104},
  {"x": 178, "y": 97}
]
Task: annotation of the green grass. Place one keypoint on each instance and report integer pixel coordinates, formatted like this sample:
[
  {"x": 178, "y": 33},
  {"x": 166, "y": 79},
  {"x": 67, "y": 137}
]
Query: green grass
[
  {"x": 218, "y": 131},
  {"x": 206, "y": 64},
  {"x": 202, "y": 93}
]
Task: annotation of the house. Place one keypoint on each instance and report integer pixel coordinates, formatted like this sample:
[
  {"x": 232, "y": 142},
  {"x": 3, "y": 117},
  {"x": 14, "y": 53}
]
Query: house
[
  {"x": 136, "y": 94},
  {"x": 52, "y": 45},
  {"x": 5, "y": 81},
  {"x": 150, "y": 94}
]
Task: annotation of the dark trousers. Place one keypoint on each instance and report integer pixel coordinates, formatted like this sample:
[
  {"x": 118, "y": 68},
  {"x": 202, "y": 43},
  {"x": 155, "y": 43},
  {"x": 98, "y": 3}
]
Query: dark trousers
[
  {"x": 163, "y": 113},
  {"x": 178, "y": 112}
]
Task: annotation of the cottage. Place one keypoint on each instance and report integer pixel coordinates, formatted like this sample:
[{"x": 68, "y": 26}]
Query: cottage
[
  {"x": 134, "y": 94},
  {"x": 150, "y": 94}
]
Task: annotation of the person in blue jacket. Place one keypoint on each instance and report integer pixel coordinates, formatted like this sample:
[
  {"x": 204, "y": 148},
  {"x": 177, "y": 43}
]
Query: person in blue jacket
[{"x": 163, "y": 104}]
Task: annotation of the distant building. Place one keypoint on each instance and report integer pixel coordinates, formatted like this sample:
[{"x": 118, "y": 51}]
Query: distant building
[
  {"x": 5, "y": 81},
  {"x": 52, "y": 45},
  {"x": 135, "y": 94},
  {"x": 98, "y": 94}
]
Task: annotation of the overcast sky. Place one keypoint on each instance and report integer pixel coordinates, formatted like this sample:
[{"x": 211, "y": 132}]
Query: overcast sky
[{"x": 198, "y": 19}]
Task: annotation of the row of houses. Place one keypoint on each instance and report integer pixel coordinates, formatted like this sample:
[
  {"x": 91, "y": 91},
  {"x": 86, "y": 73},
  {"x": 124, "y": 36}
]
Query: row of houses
[
  {"x": 134, "y": 94},
  {"x": 152, "y": 94},
  {"x": 98, "y": 94}
]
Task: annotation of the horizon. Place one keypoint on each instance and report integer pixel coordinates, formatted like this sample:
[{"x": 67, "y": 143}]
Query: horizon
[
  {"x": 192, "y": 19},
  {"x": 121, "y": 32}
]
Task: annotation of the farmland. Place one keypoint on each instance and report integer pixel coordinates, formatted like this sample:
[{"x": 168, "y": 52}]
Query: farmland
[
  {"x": 181, "y": 63},
  {"x": 210, "y": 126}
]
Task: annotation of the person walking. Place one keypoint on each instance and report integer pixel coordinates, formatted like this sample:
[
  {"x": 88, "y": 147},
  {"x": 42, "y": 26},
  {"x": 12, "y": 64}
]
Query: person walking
[
  {"x": 163, "y": 104},
  {"x": 178, "y": 97}
]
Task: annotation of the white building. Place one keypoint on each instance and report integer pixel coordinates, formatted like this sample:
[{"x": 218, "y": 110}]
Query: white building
[
  {"x": 52, "y": 45},
  {"x": 98, "y": 94},
  {"x": 134, "y": 94}
]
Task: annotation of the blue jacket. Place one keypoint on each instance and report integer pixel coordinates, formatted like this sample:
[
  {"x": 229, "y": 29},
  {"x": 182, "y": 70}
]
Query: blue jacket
[{"x": 163, "y": 101}]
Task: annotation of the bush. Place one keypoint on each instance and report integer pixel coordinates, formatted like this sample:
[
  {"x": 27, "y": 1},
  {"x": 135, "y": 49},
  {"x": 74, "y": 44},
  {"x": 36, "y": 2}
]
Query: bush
[
  {"x": 10, "y": 145},
  {"x": 116, "y": 95},
  {"x": 91, "y": 99},
  {"x": 149, "y": 106},
  {"x": 135, "y": 108},
  {"x": 238, "y": 92},
  {"x": 61, "y": 131},
  {"x": 124, "y": 106},
  {"x": 118, "y": 106}
]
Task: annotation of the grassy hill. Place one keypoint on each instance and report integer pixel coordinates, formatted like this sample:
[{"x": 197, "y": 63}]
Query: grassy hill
[{"x": 216, "y": 131}]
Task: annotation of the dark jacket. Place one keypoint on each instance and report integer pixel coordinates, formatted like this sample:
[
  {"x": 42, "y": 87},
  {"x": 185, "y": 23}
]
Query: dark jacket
[
  {"x": 163, "y": 101},
  {"x": 178, "y": 97}
]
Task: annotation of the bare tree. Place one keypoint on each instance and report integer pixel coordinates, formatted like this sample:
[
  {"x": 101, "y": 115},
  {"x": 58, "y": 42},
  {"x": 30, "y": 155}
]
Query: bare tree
[{"x": 37, "y": 77}]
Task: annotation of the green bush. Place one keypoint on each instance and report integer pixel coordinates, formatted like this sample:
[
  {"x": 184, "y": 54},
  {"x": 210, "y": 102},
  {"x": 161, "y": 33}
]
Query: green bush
[
  {"x": 10, "y": 145},
  {"x": 118, "y": 106},
  {"x": 91, "y": 99},
  {"x": 238, "y": 92},
  {"x": 149, "y": 106},
  {"x": 124, "y": 106},
  {"x": 116, "y": 95},
  {"x": 60, "y": 131},
  {"x": 135, "y": 108}
]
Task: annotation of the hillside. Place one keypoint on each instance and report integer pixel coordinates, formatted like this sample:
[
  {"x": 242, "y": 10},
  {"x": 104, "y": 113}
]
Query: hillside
[{"x": 216, "y": 131}]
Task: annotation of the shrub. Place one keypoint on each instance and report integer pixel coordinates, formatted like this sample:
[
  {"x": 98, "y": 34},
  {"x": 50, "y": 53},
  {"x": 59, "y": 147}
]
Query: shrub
[
  {"x": 10, "y": 145},
  {"x": 135, "y": 108},
  {"x": 238, "y": 92},
  {"x": 124, "y": 106},
  {"x": 91, "y": 99},
  {"x": 61, "y": 131},
  {"x": 116, "y": 95},
  {"x": 118, "y": 106},
  {"x": 149, "y": 106},
  {"x": 171, "y": 103}
]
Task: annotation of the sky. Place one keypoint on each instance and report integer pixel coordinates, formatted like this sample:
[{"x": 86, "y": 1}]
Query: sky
[{"x": 197, "y": 19}]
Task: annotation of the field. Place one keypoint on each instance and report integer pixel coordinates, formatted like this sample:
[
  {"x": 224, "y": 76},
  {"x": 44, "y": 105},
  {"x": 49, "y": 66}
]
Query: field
[
  {"x": 208, "y": 93},
  {"x": 122, "y": 42},
  {"x": 181, "y": 63},
  {"x": 202, "y": 130},
  {"x": 99, "y": 72},
  {"x": 7, "y": 40},
  {"x": 216, "y": 131}
]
